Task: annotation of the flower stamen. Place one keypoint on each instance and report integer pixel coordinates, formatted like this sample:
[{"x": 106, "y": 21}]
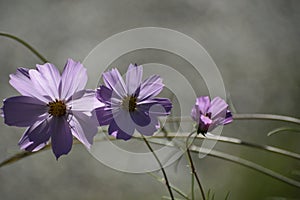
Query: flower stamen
[
  {"x": 57, "y": 108},
  {"x": 129, "y": 103}
]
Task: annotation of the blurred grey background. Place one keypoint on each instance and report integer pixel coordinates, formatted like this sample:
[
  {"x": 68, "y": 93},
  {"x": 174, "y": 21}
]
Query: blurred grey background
[{"x": 255, "y": 45}]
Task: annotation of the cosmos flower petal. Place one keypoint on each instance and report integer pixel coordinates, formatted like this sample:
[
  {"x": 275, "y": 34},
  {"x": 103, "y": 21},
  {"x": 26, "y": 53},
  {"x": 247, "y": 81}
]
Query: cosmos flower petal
[
  {"x": 36, "y": 136},
  {"x": 123, "y": 121},
  {"x": 21, "y": 82},
  {"x": 151, "y": 87},
  {"x": 195, "y": 113},
  {"x": 133, "y": 78},
  {"x": 218, "y": 108},
  {"x": 104, "y": 94},
  {"x": 205, "y": 120},
  {"x": 131, "y": 106},
  {"x": 44, "y": 80},
  {"x": 140, "y": 117},
  {"x": 23, "y": 111},
  {"x": 51, "y": 77},
  {"x": 86, "y": 102},
  {"x": 73, "y": 79},
  {"x": 203, "y": 104},
  {"x": 158, "y": 106},
  {"x": 119, "y": 133},
  {"x": 61, "y": 138},
  {"x": 104, "y": 115},
  {"x": 52, "y": 105},
  {"x": 114, "y": 81},
  {"x": 209, "y": 115},
  {"x": 84, "y": 127},
  {"x": 165, "y": 103},
  {"x": 228, "y": 119},
  {"x": 151, "y": 128}
]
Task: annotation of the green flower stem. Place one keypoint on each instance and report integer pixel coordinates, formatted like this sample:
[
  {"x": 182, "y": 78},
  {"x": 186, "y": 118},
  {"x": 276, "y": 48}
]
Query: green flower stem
[
  {"x": 161, "y": 167},
  {"x": 230, "y": 140},
  {"x": 177, "y": 190},
  {"x": 267, "y": 117},
  {"x": 246, "y": 163},
  {"x": 212, "y": 153},
  {"x": 237, "y": 160},
  {"x": 28, "y": 46},
  {"x": 248, "y": 117},
  {"x": 192, "y": 186},
  {"x": 193, "y": 166}
]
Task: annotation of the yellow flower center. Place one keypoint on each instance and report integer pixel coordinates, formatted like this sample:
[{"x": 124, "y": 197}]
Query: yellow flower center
[
  {"x": 129, "y": 103},
  {"x": 57, "y": 108}
]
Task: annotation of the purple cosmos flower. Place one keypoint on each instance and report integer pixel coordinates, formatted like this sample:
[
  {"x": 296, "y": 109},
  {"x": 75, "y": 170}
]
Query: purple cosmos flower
[
  {"x": 52, "y": 106},
  {"x": 131, "y": 105},
  {"x": 210, "y": 114}
]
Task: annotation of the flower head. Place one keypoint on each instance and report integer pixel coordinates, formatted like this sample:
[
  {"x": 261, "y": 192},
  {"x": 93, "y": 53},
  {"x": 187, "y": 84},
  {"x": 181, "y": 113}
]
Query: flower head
[
  {"x": 210, "y": 114},
  {"x": 52, "y": 106},
  {"x": 131, "y": 104}
]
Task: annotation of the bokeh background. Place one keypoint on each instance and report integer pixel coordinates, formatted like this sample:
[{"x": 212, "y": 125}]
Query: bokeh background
[{"x": 255, "y": 45}]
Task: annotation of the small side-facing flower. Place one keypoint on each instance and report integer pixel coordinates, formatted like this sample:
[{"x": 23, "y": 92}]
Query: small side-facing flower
[
  {"x": 52, "y": 106},
  {"x": 210, "y": 114},
  {"x": 131, "y": 105}
]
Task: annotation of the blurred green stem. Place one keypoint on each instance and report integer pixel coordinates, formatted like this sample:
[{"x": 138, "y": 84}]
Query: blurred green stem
[
  {"x": 28, "y": 46},
  {"x": 192, "y": 186},
  {"x": 194, "y": 172},
  {"x": 267, "y": 117},
  {"x": 177, "y": 190},
  {"x": 161, "y": 167},
  {"x": 193, "y": 148},
  {"x": 248, "y": 117}
]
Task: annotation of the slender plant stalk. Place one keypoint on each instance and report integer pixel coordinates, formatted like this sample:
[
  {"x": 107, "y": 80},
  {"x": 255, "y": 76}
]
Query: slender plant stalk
[
  {"x": 177, "y": 190},
  {"x": 28, "y": 46},
  {"x": 236, "y": 141},
  {"x": 267, "y": 117},
  {"x": 193, "y": 166},
  {"x": 212, "y": 153},
  {"x": 282, "y": 129},
  {"x": 192, "y": 186},
  {"x": 247, "y": 164},
  {"x": 237, "y": 160},
  {"x": 249, "y": 117},
  {"x": 161, "y": 167}
]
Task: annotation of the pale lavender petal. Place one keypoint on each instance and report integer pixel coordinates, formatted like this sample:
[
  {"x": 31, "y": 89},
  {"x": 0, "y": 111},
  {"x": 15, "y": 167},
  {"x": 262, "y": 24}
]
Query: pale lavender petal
[
  {"x": 23, "y": 111},
  {"x": 45, "y": 80},
  {"x": 114, "y": 81},
  {"x": 22, "y": 83},
  {"x": 84, "y": 127},
  {"x": 73, "y": 79},
  {"x": 158, "y": 106},
  {"x": 205, "y": 120},
  {"x": 86, "y": 103},
  {"x": 36, "y": 136},
  {"x": 104, "y": 115},
  {"x": 61, "y": 136},
  {"x": 151, "y": 87},
  {"x": 52, "y": 76},
  {"x": 195, "y": 113},
  {"x": 218, "y": 108},
  {"x": 118, "y": 133},
  {"x": 203, "y": 104},
  {"x": 133, "y": 78}
]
